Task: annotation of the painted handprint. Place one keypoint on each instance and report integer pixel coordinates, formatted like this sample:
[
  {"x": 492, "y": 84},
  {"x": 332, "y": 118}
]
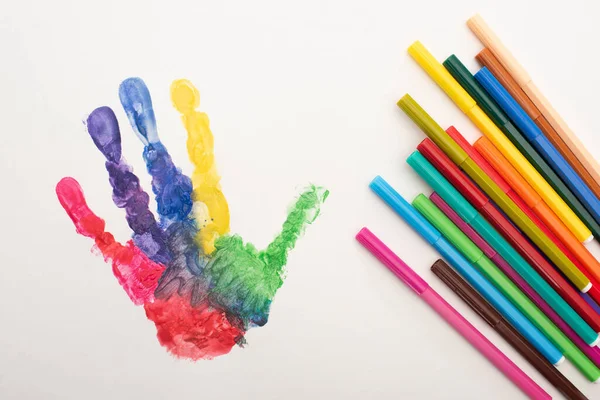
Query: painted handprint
[{"x": 202, "y": 286}]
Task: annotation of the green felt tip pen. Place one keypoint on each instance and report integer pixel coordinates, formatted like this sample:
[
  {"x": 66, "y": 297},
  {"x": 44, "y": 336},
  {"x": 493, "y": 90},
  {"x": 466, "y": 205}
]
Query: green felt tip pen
[
  {"x": 489, "y": 106},
  {"x": 487, "y": 267}
]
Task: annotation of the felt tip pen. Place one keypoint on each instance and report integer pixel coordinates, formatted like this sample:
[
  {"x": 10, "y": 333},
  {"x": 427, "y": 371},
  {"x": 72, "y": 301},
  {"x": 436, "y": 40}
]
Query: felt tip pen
[
  {"x": 533, "y": 207},
  {"x": 497, "y": 115},
  {"x": 571, "y": 352},
  {"x": 455, "y": 185},
  {"x": 566, "y": 242},
  {"x": 490, "y": 40},
  {"x": 466, "y": 103},
  {"x": 593, "y": 353},
  {"x": 399, "y": 268},
  {"x": 487, "y": 59},
  {"x": 478, "y": 304},
  {"x": 460, "y": 158},
  {"x": 476, "y": 257},
  {"x": 539, "y": 141},
  {"x": 437, "y": 241}
]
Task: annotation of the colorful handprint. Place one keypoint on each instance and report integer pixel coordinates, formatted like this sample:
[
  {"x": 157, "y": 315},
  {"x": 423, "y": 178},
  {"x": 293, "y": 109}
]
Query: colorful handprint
[{"x": 201, "y": 286}]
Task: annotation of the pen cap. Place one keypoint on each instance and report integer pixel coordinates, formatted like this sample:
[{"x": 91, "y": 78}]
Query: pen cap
[
  {"x": 487, "y": 59},
  {"x": 489, "y": 39},
  {"x": 479, "y": 160},
  {"x": 405, "y": 210},
  {"x": 483, "y": 180},
  {"x": 460, "y": 140},
  {"x": 437, "y": 72},
  {"x": 391, "y": 260},
  {"x": 430, "y": 175},
  {"x": 440, "y": 184},
  {"x": 456, "y": 180},
  {"x": 508, "y": 104},
  {"x": 463, "y": 290},
  {"x": 431, "y": 128},
  {"x": 471, "y": 233},
  {"x": 468, "y": 82},
  {"x": 447, "y": 228},
  {"x": 484, "y": 146}
]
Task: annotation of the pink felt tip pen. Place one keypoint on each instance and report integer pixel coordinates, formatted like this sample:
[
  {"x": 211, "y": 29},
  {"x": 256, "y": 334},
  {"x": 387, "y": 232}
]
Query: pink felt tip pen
[{"x": 453, "y": 317}]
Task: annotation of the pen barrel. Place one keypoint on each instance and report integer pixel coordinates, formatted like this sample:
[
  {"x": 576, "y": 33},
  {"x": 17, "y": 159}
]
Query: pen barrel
[
  {"x": 526, "y": 225},
  {"x": 507, "y": 103},
  {"x": 566, "y": 152},
  {"x": 461, "y": 288},
  {"x": 487, "y": 250},
  {"x": 468, "y": 82},
  {"x": 496, "y": 321},
  {"x": 431, "y": 128},
  {"x": 569, "y": 176},
  {"x": 553, "y": 375},
  {"x": 481, "y": 343},
  {"x": 563, "y": 130},
  {"x": 388, "y": 258},
  {"x": 489, "y": 39},
  {"x": 492, "y": 155},
  {"x": 487, "y": 59},
  {"x": 449, "y": 178},
  {"x": 450, "y": 231},
  {"x": 531, "y": 131}
]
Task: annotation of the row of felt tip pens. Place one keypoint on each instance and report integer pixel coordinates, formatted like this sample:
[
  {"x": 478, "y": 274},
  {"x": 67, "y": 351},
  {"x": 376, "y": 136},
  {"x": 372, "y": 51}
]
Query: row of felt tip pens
[{"x": 511, "y": 213}]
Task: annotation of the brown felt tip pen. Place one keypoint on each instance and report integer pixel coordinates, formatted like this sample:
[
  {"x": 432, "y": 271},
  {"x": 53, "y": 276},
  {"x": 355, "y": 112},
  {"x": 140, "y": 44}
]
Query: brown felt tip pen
[{"x": 459, "y": 286}]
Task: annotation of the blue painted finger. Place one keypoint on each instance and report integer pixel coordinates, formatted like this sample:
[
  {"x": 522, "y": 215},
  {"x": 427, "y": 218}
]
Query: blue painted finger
[
  {"x": 173, "y": 189},
  {"x": 136, "y": 101}
]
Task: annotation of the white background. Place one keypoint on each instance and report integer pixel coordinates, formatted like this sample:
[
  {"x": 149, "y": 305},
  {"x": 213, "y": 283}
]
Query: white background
[{"x": 297, "y": 92}]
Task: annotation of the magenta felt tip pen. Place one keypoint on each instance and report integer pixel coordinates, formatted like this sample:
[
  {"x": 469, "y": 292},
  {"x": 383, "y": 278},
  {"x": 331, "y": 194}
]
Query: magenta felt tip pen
[{"x": 388, "y": 258}]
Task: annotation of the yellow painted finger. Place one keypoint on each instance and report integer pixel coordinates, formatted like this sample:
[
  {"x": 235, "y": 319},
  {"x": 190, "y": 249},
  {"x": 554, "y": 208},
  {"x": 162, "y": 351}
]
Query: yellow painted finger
[{"x": 213, "y": 214}]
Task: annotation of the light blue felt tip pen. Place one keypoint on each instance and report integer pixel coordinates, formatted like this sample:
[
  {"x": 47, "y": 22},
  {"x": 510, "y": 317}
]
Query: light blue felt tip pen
[
  {"x": 464, "y": 268},
  {"x": 538, "y": 140}
]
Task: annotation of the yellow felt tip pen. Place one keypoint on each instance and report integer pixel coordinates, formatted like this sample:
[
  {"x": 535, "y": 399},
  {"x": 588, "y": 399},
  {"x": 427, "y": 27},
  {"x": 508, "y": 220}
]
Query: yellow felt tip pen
[
  {"x": 469, "y": 106},
  {"x": 442, "y": 77}
]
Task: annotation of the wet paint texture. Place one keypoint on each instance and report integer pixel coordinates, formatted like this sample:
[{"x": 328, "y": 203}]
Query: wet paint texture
[
  {"x": 214, "y": 217},
  {"x": 103, "y": 128},
  {"x": 202, "y": 287},
  {"x": 136, "y": 273}
]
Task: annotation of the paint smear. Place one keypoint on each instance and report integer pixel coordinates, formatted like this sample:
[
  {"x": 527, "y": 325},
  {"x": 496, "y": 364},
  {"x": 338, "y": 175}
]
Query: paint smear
[
  {"x": 214, "y": 217},
  {"x": 133, "y": 269},
  {"x": 201, "y": 286},
  {"x": 104, "y": 130}
]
